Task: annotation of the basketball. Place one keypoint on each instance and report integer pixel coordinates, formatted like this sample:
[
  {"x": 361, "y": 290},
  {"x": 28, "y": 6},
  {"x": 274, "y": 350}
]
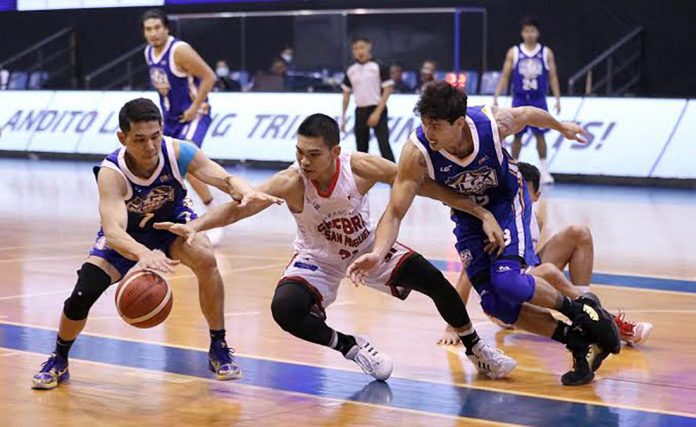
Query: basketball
[{"x": 144, "y": 299}]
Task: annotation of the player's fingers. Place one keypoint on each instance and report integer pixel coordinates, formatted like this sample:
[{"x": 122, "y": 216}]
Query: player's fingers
[
  {"x": 163, "y": 225},
  {"x": 190, "y": 238}
]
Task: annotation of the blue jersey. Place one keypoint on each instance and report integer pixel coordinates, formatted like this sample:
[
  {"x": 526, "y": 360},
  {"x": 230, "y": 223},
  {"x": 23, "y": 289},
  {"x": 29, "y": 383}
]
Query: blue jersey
[
  {"x": 176, "y": 89},
  {"x": 149, "y": 200},
  {"x": 489, "y": 176},
  {"x": 530, "y": 74}
]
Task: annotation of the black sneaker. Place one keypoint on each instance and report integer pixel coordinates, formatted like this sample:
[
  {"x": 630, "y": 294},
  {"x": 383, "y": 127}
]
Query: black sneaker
[
  {"x": 581, "y": 373},
  {"x": 599, "y": 324}
]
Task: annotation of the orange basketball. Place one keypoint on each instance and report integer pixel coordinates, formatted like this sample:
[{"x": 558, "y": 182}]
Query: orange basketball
[{"x": 143, "y": 299}]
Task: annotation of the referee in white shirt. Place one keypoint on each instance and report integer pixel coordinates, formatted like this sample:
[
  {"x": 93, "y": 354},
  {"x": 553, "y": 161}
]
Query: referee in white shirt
[{"x": 371, "y": 84}]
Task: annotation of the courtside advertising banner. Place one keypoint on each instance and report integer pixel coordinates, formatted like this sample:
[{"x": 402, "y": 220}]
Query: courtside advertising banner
[{"x": 626, "y": 137}]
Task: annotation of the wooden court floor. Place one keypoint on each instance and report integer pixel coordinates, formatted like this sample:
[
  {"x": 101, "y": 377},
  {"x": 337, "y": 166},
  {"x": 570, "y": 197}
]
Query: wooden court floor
[{"x": 645, "y": 265}]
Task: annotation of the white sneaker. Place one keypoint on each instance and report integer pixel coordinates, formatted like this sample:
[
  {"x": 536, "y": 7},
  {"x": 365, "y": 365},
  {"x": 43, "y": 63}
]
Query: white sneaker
[
  {"x": 491, "y": 361},
  {"x": 372, "y": 362},
  {"x": 547, "y": 179}
]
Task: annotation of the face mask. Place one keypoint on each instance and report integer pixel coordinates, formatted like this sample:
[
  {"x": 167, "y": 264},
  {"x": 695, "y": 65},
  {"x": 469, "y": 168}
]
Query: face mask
[
  {"x": 222, "y": 71},
  {"x": 287, "y": 57}
]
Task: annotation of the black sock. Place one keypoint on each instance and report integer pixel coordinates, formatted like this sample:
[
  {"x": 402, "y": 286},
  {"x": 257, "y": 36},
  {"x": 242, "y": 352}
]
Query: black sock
[
  {"x": 469, "y": 341},
  {"x": 63, "y": 347},
  {"x": 217, "y": 335},
  {"x": 570, "y": 309},
  {"x": 561, "y": 333},
  {"x": 344, "y": 343}
]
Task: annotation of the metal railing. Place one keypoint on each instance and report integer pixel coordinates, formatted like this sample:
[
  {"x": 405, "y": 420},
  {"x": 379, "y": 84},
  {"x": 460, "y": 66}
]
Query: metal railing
[
  {"x": 124, "y": 79},
  {"x": 623, "y": 56},
  {"x": 49, "y": 59}
]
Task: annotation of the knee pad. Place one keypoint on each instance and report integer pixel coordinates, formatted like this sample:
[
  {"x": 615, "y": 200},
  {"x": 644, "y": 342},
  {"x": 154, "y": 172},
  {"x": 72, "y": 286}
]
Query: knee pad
[
  {"x": 509, "y": 282},
  {"x": 92, "y": 281},
  {"x": 291, "y": 302}
]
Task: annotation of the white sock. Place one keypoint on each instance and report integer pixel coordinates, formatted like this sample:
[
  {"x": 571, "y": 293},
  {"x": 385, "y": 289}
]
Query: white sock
[{"x": 584, "y": 289}]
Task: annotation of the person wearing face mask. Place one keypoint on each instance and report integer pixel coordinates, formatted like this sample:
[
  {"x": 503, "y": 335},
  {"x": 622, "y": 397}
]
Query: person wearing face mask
[
  {"x": 288, "y": 55},
  {"x": 224, "y": 82}
]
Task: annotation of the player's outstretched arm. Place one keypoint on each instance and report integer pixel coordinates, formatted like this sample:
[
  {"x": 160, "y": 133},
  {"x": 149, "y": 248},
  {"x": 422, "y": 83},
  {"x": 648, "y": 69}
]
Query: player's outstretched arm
[
  {"x": 187, "y": 59},
  {"x": 114, "y": 220},
  {"x": 213, "y": 174},
  {"x": 505, "y": 75},
  {"x": 411, "y": 171},
  {"x": 512, "y": 120},
  {"x": 280, "y": 185}
]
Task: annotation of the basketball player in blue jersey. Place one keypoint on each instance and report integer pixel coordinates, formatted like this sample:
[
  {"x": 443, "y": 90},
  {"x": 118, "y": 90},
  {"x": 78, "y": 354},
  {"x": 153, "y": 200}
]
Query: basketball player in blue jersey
[
  {"x": 182, "y": 80},
  {"x": 462, "y": 148},
  {"x": 140, "y": 184},
  {"x": 533, "y": 68}
]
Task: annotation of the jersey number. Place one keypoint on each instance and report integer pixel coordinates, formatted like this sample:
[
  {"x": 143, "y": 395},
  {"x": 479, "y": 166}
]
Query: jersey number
[
  {"x": 530, "y": 84},
  {"x": 507, "y": 238}
]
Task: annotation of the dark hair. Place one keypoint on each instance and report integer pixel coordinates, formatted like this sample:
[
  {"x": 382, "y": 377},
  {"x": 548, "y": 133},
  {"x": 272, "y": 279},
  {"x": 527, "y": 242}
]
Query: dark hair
[
  {"x": 396, "y": 64},
  {"x": 360, "y": 39},
  {"x": 531, "y": 174},
  {"x": 321, "y": 125},
  {"x": 440, "y": 100},
  {"x": 136, "y": 111},
  {"x": 154, "y": 14},
  {"x": 529, "y": 22}
]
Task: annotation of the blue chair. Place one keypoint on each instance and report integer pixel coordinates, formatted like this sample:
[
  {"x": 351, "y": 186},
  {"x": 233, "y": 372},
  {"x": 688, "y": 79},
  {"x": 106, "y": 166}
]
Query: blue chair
[
  {"x": 37, "y": 79},
  {"x": 18, "y": 80},
  {"x": 489, "y": 81},
  {"x": 410, "y": 78},
  {"x": 241, "y": 76}
]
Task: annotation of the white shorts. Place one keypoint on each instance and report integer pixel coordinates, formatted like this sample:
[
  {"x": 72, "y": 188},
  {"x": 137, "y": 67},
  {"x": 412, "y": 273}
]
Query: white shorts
[{"x": 323, "y": 279}]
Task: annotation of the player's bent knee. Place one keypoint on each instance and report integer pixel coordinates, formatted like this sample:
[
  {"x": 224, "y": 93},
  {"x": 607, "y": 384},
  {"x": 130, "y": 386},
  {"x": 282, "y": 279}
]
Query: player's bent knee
[
  {"x": 580, "y": 234},
  {"x": 92, "y": 281},
  {"x": 288, "y": 307},
  {"x": 508, "y": 281}
]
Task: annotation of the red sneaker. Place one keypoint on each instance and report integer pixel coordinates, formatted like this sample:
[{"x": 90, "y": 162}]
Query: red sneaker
[{"x": 632, "y": 332}]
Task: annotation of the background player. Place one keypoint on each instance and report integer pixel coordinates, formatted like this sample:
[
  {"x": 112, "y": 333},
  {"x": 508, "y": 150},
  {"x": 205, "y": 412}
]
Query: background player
[
  {"x": 182, "y": 80},
  {"x": 533, "y": 67},
  {"x": 325, "y": 190},
  {"x": 462, "y": 148},
  {"x": 140, "y": 184}
]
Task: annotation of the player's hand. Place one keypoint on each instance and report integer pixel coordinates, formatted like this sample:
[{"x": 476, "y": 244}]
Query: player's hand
[
  {"x": 343, "y": 125},
  {"x": 449, "y": 337},
  {"x": 189, "y": 115},
  {"x": 156, "y": 260},
  {"x": 557, "y": 106},
  {"x": 361, "y": 267},
  {"x": 373, "y": 120},
  {"x": 183, "y": 230},
  {"x": 495, "y": 242},
  {"x": 258, "y": 196},
  {"x": 573, "y": 132}
]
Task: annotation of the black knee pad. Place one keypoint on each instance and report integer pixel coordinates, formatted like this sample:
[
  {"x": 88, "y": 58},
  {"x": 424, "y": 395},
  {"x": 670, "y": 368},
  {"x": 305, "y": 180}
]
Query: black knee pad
[
  {"x": 92, "y": 281},
  {"x": 291, "y": 302}
]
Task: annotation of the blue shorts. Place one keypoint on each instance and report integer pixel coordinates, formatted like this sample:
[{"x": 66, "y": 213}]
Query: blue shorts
[
  {"x": 533, "y": 102},
  {"x": 152, "y": 239},
  {"x": 515, "y": 223},
  {"x": 193, "y": 131}
]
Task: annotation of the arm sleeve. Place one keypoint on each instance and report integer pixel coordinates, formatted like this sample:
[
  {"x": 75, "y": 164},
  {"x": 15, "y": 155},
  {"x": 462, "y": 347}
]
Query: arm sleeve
[
  {"x": 186, "y": 153},
  {"x": 346, "y": 85}
]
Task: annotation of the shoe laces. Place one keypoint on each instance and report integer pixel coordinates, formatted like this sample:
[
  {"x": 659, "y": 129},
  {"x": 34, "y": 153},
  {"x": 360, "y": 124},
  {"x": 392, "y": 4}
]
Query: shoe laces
[
  {"x": 626, "y": 327},
  {"x": 49, "y": 364},
  {"x": 222, "y": 352}
]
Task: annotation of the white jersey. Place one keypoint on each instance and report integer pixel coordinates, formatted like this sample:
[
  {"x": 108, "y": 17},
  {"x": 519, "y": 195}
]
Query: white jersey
[
  {"x": 534, "y": 229},
  {"x": 334, "y": 226}
]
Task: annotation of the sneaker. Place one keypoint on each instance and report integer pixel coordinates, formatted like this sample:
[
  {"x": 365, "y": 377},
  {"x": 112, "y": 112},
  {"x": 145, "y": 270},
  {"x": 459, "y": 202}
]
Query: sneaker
[
  {"x": 221, "y": 362},
  {"x": 598, "y": 324},
  {"x": 491, "y": 361},
  {"x": 53, "y": 372},
  {"x": 581, "y": 373},
  {"x": 371, "y": 361},
  {"x": 215, "y": 235},
  {"x": 632, "y": 332},
  {"x": 595, "y": 357},
  {"x": 547, "y": 178}
]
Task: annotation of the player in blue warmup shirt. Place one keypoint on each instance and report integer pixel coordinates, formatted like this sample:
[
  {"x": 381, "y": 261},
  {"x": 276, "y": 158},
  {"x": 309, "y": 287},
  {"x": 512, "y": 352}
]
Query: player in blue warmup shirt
[
  {"x": 461, "y": 147},
  {"x": 182, "y": 80},
  {"x": 533, "y": 68},
  {"x": 140, "y": 184}
]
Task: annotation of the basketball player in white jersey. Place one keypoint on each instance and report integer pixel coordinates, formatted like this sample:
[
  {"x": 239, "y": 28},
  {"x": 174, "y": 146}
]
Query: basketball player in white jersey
[
  {"x": 326, "y": 191},
  {"x": 571, "y": 247}
]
